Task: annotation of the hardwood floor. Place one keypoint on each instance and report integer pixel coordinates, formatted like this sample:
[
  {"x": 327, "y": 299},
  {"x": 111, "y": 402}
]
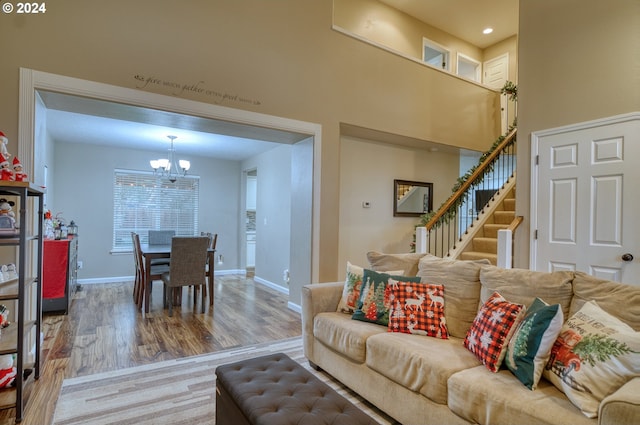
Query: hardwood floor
[{"x": 103, "y": 331}]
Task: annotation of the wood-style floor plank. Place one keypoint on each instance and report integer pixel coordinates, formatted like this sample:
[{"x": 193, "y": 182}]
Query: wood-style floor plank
[{"x": 104, "y": 331}]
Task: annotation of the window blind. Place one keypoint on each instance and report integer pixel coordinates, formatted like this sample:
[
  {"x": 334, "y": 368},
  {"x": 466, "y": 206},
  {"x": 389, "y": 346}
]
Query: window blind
[{"x": 143, "y": 201}]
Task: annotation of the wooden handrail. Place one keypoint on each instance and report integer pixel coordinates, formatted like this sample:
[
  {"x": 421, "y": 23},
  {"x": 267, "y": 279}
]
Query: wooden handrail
[
  {"x": 515, "y": 223},
  {"x": 477, "y": 173}
]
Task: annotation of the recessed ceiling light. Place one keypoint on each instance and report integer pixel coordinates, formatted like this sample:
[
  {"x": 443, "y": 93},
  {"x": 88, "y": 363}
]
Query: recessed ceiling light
[{"x": 487, "y": 30}]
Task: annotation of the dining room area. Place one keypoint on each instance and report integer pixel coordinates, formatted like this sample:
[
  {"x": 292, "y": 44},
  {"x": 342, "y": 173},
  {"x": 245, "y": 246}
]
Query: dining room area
[
  {"x": 90, "y": 183},
  {"x": 177, "y": 261}
]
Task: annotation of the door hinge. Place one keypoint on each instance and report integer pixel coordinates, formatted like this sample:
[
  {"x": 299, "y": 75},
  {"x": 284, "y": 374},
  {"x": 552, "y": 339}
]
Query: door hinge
[
  {"x": 535, "y": 234},
  {"x": 537, "y": 159}
]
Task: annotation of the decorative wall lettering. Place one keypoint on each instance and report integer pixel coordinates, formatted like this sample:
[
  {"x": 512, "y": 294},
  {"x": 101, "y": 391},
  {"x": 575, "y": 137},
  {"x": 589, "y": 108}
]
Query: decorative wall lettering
[{"x": 178, "y": 89}]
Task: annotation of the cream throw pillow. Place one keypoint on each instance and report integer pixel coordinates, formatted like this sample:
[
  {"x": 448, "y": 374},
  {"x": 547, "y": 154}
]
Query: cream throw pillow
[
  {"x": 408, "y": 262},
  {"x": 594, "y": 355}
]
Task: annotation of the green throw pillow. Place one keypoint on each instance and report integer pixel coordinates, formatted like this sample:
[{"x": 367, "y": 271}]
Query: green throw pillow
[
  {"x": 374, "y": 301},
  {"x": 530, "y": 346}
]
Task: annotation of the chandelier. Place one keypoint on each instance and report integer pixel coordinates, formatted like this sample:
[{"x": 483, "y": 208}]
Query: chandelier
[{"x": 165, "y": 166}]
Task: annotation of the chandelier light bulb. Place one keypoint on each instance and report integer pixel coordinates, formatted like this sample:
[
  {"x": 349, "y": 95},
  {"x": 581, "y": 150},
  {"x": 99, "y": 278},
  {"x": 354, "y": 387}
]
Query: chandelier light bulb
[{"x": 184, "y": 164}]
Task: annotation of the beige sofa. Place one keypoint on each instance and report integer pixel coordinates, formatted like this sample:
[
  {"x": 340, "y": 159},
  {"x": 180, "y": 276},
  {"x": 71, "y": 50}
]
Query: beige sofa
[{"x": 424, "y": 380}]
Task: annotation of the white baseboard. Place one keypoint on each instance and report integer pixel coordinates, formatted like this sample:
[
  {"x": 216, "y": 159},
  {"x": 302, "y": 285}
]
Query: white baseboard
[
  {"x": 295, "y": 307},
  {"x": 271, "y": 285},
  {"x": 95, "y": 280}
]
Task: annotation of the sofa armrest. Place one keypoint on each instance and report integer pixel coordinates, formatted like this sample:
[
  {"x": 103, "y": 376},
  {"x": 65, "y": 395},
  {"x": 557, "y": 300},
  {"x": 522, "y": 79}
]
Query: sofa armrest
[
  {"x": 317, "y": 298},
  {"x": 623, "y": 406}
]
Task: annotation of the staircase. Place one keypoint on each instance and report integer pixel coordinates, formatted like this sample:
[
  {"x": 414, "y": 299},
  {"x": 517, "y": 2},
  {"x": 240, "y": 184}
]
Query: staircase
[
  {"x": 484, "y": 242},
  {"x": 453, "y": 230}
]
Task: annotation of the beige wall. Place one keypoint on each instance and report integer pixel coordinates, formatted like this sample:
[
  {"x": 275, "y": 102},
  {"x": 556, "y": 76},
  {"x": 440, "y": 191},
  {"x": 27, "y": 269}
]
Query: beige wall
[
  {"x": 579, "y": 60},
  {"x": 389, "y": 28},
  {"x": 367, "y": 171},
  {"x": 395, "y": 30},
  {"x": 89, "y": 202},
  {"x": 274, "y": 57}
]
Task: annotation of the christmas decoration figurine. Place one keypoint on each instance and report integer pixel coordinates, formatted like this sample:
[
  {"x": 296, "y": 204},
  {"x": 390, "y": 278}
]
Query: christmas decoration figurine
[
  {"x": 5, "y": 170},
  {"x": 19, "y": 175},
  {"x": 8, "y": 371},
  {"x": 4, "y": 316},
  {"x": 3, "y": 145}
]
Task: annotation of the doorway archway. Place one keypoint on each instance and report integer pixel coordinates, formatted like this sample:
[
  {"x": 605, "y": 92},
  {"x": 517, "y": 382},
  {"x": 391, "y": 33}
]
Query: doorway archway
[{"x": 31, "y": 81}]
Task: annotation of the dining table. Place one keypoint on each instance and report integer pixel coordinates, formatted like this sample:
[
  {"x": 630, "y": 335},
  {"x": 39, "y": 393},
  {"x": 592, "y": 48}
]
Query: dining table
[{"x": 150, "y": 252}]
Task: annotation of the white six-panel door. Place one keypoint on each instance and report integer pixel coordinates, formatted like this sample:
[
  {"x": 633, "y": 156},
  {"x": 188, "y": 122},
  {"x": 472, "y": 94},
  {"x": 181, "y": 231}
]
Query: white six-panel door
[{"x": 585, "y": 201}]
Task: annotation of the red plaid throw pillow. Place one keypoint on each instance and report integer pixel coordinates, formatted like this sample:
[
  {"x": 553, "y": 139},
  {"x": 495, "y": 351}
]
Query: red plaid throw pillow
[
  {"x": 491, "y": 330},
  {"x": 417, "y": 308}
]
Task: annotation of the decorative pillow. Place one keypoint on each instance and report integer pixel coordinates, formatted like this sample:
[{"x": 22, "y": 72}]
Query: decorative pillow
[
  {"x": 373, "y": 303},
  {"x": 352, "y": 286},
  {"x": 408, "y": 262},
  {"x": 461, "y": 280},
  {"x": 417, "y": 308},
  {"x": 595, "y": 354},
  {"x": 491, "y": 330},
  {"x": 530, "y": 346},
  {"x": 523, "y": 286},
  {"x": 609, "y": 295}
]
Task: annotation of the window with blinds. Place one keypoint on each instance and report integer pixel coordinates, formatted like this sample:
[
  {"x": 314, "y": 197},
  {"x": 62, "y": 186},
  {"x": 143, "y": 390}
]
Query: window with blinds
[{"x": 142, "y": 201}]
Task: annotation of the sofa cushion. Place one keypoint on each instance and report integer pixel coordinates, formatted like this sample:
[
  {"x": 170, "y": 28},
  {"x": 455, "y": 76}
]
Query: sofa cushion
[
  {"x": 530, "y": 346},
  {"x": 523, "y": 286},
  {"x": 491, "y": 330},
  {"x": 352, "y": 286},
  {"x": 373, "y": 303},
  {"x": 418, "y": 308},
  {"x": 594, "y": 355},
  {"x": 609, "y": 296},
  {"x": 346, "y": 336},
  {"x": 461, "y": 281},
  {"x": 482, "y": 397},
  {"x": 417, "y": 362},
  {"x": 408, "y": 262}
]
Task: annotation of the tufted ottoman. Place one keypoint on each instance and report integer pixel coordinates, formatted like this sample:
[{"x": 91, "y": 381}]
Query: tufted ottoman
[{"x": 275, "y": 390}]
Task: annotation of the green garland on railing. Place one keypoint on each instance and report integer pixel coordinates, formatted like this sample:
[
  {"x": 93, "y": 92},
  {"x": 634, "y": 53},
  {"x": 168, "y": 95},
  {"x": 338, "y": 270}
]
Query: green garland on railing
[
  {"x": 425, "y": 218},
  {"x": 509, "y": 89}
]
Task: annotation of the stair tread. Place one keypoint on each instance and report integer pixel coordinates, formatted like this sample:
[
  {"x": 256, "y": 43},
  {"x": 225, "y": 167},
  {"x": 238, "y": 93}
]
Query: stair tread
[{"x": 474, "y": 255}]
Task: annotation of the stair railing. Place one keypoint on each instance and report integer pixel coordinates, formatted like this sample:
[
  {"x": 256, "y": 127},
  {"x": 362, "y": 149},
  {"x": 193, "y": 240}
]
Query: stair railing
[{"x": 444, "y": 228}]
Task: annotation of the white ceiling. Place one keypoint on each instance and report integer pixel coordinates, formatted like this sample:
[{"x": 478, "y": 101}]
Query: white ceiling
[{"x": 80, "y": 120}]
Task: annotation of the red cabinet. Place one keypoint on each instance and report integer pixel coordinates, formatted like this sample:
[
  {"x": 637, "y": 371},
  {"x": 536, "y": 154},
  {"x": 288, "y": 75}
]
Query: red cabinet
[{"x": 59, "y": 274}]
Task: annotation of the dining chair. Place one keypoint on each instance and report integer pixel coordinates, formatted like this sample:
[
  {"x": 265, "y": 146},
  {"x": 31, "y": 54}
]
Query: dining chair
[
  {"x": 213, "y": 240},
  {"x": 141, "y": 276},
  {"x": 188, "y": 267},
  {"x": 160, "y": 237}
]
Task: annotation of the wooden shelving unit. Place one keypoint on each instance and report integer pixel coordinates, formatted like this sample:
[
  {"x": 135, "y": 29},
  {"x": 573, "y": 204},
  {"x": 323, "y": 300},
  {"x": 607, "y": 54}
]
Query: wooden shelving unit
[{"x": 22, "y": 294}]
